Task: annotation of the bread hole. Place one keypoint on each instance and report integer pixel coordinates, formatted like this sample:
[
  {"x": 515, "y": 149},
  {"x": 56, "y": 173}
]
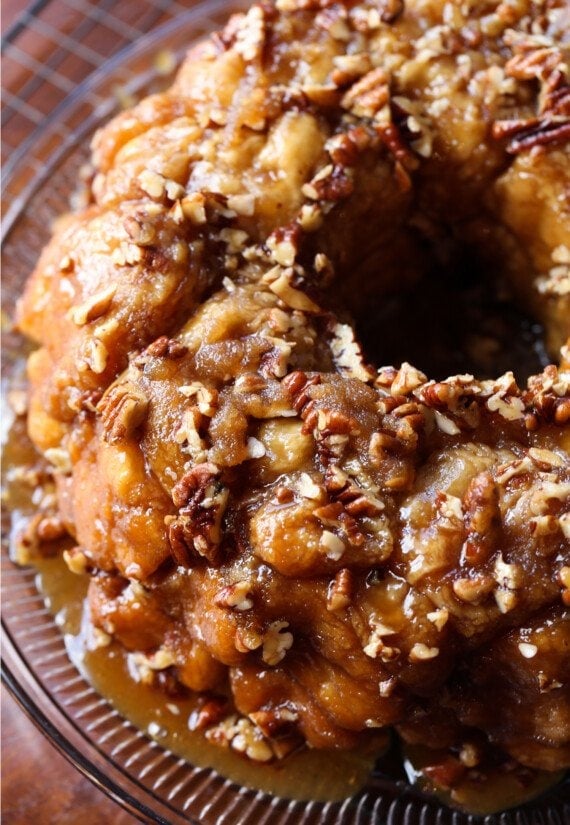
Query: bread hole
[{"x": 458, "y": 318}]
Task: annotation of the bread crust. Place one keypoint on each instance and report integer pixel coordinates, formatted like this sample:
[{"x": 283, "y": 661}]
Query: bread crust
[{"x": 350, "y": 547}]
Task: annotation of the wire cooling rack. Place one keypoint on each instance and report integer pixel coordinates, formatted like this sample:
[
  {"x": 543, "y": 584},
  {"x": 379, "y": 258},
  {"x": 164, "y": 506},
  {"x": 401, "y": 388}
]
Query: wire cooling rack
[
  {"x": 52, "y": 50},
  {"x": 53, "y": 45}
]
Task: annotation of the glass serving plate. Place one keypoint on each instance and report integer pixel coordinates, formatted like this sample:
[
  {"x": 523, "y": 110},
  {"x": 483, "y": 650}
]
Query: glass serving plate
[{"x": 147, "y": 779}]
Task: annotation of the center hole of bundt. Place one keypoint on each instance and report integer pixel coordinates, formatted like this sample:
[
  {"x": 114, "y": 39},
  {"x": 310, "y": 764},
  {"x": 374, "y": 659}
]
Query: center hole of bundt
[{"x": 458, "y": 318}]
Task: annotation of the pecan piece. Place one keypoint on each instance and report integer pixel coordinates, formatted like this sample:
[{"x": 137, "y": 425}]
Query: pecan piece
[
  {"x": 356, "y": 500},
  {"x": 123, "y": 408},
  {"x": 298, "y": 385},
  {"x": 274, "y": 721},
  {"x": 210, "y": 712},
  {"x": 339, "y": 593},
  {"x": 392, "y": 138},
  {"x": 196, "y": 530},
  {"x": 165, "y": 347},
  {"x": 328, "y": 422},
  {"x": 482, "y": 517},
  {"x": 335, "y": 515},
  {"x": 366, "y": 97},
  {"x": 332, "y": 183},
  {"x": 551, "y": 124}
]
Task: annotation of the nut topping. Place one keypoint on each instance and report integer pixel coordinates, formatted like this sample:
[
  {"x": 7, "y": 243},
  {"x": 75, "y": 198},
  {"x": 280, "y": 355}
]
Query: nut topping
[
  {"x": 201, "y": 500},
  {"x": 123, "y": 408}
]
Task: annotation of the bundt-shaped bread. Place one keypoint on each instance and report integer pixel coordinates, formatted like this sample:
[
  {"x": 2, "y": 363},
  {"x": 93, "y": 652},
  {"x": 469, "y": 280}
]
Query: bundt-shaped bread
[{"x": 350, "y": 547}]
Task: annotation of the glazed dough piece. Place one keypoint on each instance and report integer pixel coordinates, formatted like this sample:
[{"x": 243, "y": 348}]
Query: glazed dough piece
[{"x": 534, "y": 201}]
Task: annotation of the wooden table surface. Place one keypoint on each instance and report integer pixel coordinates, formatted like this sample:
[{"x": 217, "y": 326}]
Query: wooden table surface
[{"x": 40, "y": 787}]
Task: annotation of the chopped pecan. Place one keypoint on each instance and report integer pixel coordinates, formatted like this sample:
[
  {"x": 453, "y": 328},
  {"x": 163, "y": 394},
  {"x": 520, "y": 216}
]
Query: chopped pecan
[
  {"x": 328, "y": 422},
  {"x": 196, "y": 530},
  {"x": 356, "y": 500},
  {"x": 382, "y": 443},
  {"x": 350, "y": 67},
  {"x": 123, "y": 408},
  {"x": 93, "y": 307},
  {"x": 366, "y": 97},
  {"x": 274, "y": 361},
  {"x": 248, "y": 638},
  {"x": 77, "y": 561},
  {"x": 276, "y": 642},
  {"x": 548, "y": 397},
  {"x": 392, "y": 138},
  {"x": 332, "y": 545},
  {"x": 284, "y": 243},
  {"x": 347, "y": 353},
  {"x": 59, "y": 459},
  {"x": 375, "y": 646},
  {"x": 551, "y": 124},
  {"x": 241, "y": 735},
  {"x": 93, "y": 356},
  {"x": 236, "y": 595},
  {"x": 530, "y": 132},
  {"x": 482, "y": 517},
  {"x": 282, "y": 283},
  {"x": 193, "y": 483},
  {"x": 407, "y": 379},
  {"x": 211, "y": 711},
  {"x": 333, "y": 183},
  {"x": 141, "y": 232},
  {"x": 422, "y": 653},
  {"x": 535, "y": 63},
  {"x": 273, "y": 721},
  {"x": 298, "y": 385},
  {"x": 339, "y": 593},
  {"x": 50, "y": 528},
  {"x": 473, "y": 590},
  {"x": 165, "y": 347},
  {"x": 335, "y": 515},
  {"x": 25, "y": 539},
  {"x": 251, "y": 34},
  {"x": 345, "y": 148}
]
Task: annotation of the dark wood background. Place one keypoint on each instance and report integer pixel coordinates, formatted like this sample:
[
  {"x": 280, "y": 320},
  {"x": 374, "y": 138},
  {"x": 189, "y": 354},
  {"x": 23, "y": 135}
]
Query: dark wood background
[{"x": 39, "y": 786}]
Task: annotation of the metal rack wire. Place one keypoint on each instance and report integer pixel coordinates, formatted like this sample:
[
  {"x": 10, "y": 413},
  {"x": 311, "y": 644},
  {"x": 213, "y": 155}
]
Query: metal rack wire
[
  {"x": 54, "y": 44},
  {"x": 50, "y": 50}
]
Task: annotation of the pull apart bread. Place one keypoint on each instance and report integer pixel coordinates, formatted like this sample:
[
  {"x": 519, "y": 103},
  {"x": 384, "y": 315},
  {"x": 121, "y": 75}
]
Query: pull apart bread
[{"x": 344, "y": 547}]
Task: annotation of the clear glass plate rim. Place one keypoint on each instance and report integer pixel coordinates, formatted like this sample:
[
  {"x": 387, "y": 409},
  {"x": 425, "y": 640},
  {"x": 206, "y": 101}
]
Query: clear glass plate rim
[
  {"x": 62, "y": 743},
  {"x": 50, "y": 717}
]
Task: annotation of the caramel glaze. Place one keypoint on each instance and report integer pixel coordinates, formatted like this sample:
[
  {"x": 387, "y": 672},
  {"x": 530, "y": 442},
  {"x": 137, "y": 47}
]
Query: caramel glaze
[
  {"x": 349, "y": 547},
  {"x": 169, "y": 717}
]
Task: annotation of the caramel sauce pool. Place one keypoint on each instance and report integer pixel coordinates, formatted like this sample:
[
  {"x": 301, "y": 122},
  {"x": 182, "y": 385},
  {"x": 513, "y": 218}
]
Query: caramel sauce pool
[
  {"x": 314, "y": 775},
  {"x": 306, "y": 775}
]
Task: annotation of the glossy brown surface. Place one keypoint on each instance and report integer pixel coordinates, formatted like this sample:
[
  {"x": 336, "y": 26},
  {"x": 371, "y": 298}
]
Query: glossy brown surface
[{"x": 391, "y": 475}]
